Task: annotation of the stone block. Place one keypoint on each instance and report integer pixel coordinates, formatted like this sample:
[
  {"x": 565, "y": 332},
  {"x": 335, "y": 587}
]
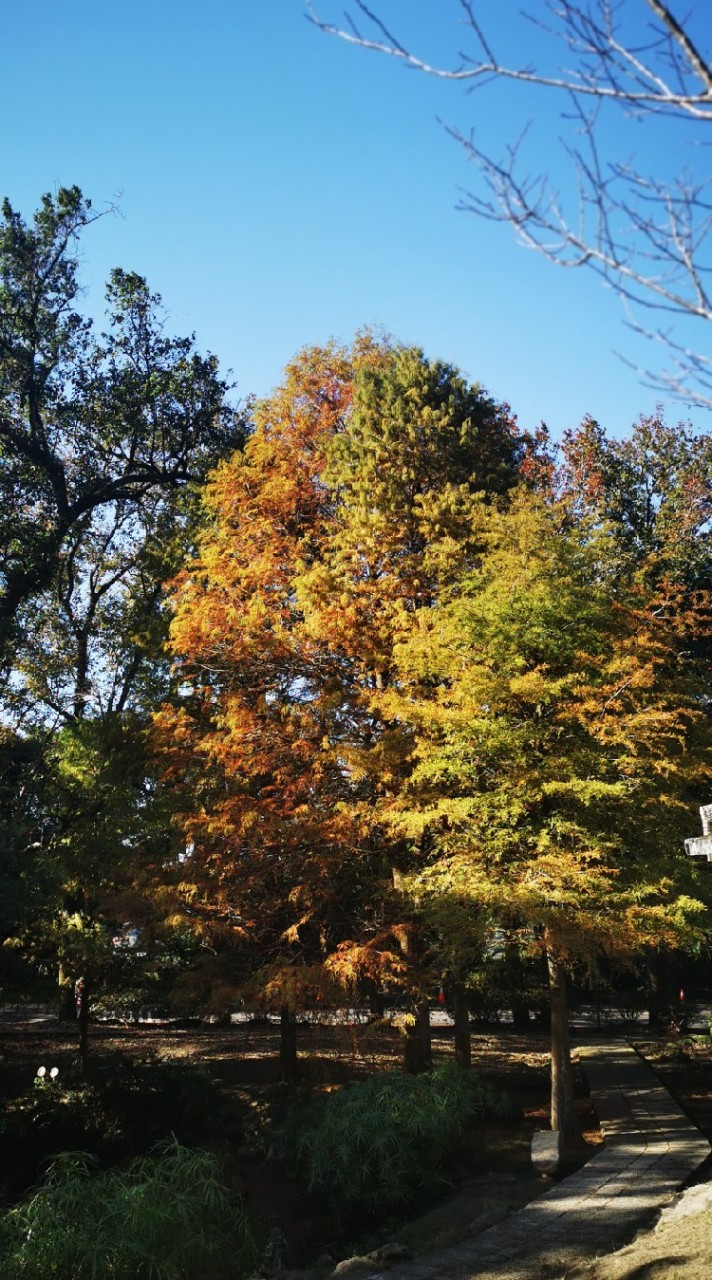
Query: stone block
[{"x": 546, "y": 1150}]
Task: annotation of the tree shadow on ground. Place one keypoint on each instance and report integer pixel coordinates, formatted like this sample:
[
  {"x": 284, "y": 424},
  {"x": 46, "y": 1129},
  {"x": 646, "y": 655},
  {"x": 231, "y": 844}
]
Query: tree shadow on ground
[{"x": 656, "y": 1267}]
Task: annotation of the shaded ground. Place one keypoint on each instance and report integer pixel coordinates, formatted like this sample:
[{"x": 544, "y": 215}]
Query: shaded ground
[
  {"x": 243, "y": 1061},
  {"x": 677, "y": 1250},
  {"x": 679, "y": 1247},
  {"x": 684, "y": 1066}
]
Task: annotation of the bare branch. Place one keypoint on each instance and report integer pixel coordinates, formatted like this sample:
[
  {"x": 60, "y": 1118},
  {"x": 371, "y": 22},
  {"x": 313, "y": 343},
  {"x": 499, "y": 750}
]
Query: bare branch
[
  {"x": 534, "y": 210},
  {"x": 689, "y": 380},
  {"x": 689, "y": 49},
  {"x": 648, "y": 236},
  {"x": 580, "y": 32}
]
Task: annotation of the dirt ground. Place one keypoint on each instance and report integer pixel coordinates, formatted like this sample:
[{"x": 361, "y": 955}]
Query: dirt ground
[
  {"x": 678, "y": 1250},
  {"x": 243, "y": 1060}
]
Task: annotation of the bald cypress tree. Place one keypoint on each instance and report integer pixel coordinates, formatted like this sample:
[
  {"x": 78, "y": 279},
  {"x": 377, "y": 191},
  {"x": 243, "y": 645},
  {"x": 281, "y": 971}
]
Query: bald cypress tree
[{"x": 354, "y": 496}]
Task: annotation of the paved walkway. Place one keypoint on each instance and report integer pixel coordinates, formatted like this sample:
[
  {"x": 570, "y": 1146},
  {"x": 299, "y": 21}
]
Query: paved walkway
[{"x": 651, "y": 1149}]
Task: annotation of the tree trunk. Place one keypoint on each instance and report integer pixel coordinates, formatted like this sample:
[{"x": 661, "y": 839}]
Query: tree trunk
[
  {"x": 520, "y": 1015},
  {"x": 417, "y": 1052},
  {"x": 515, "y": 969},
  {"x": 563, "y": 1115},
  {"x": 66, "y": 1007},
  {"x": 463, "y": 1043},
  {"x": 412, "y": 1064},
  {"x": 655, "y": 969},
  {"x": 422, "y": 1022},
  {"x": 374, "y": 996},
  {"x": 83, "y": 998},
  {"x": 543, "y": 1010},
  {"x": 287, "y": 1046}
]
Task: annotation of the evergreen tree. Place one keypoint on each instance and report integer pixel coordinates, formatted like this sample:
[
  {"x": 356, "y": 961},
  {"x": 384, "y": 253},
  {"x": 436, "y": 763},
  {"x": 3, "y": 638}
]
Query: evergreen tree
[
  {"x": 560, "y": 743},
  {"x": 285, "y": 627}
]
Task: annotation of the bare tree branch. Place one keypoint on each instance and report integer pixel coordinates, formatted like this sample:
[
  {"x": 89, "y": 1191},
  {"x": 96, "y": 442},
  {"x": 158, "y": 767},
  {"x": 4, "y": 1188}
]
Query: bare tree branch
[
  {"x": 588, "y": 38},
  {"x": 647, "y": 235}
]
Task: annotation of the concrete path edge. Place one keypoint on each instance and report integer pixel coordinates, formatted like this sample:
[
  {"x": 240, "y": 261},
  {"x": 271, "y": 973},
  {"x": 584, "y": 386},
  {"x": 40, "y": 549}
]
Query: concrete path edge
[{"x": 651, "y": 1149}]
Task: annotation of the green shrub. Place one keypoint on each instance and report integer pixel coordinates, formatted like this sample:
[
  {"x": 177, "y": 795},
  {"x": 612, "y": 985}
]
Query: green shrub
[
  {"x": 166, "y": 1217},
  {"x": 385, "y": 1144}
]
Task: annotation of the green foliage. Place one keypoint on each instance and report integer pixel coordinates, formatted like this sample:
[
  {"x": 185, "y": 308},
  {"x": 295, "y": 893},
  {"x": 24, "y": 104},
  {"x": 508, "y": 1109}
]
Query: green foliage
[
  {"x": 499, "y": 979},
  {"x": 90, "y": 427},
  {"x": 561, "y": 740},
  {"x": 21, "y": 881},
  {"x": 168, "y": 1216},
  {"x": 419, "y": 441},
  {"x": 104, "y": 438},
  {"x": 105, "y": 830},
  {"x": 388, "y": 1143},
  {"x": 652, "y": 491},
  {"x": 161, "y": 1097},
  {"x": 50, "y": 1118}
]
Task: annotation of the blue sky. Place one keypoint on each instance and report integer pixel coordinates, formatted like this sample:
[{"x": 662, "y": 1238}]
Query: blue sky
[{"x": 279, "y": 188}]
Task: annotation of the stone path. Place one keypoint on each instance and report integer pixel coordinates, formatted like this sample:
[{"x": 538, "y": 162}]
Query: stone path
[{"x": 651, "y": 1149}]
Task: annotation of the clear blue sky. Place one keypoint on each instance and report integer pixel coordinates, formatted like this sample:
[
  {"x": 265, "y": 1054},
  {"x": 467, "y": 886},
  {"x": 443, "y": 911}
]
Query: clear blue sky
[{"x": 278, "y": 187}]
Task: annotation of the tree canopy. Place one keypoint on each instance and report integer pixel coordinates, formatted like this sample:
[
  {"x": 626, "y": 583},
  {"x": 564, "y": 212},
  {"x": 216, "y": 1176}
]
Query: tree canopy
[
  {"x": 104, "y": 438},
  {"x": 437, "y": 683},
  {"x": 433, "y": 685},
  {"x": 285, "y": 625},
  {"x": 88, "y": 422}
]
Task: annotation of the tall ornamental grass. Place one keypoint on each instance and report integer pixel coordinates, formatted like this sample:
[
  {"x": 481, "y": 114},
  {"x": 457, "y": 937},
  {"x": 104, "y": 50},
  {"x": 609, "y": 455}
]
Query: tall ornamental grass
[
  {"x": 167, "y": 1216},
  {"x": 386, "y": 1144}
]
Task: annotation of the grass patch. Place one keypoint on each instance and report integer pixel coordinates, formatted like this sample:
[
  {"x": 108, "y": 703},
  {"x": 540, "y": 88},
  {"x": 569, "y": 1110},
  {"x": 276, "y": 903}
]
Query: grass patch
[{"x": 167, "y": 1216}]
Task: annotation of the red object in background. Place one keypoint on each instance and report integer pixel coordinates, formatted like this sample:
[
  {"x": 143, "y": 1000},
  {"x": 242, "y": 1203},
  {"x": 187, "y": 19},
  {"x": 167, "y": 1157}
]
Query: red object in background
[
  {"x": 441, "y": 996},
  {"x": 682, "y": 994}
]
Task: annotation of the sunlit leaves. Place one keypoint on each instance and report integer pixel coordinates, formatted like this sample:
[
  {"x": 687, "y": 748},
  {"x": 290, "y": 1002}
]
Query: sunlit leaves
[
  {"x": 358, "y": 491},
  {"x": 560, "y": 738}
]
